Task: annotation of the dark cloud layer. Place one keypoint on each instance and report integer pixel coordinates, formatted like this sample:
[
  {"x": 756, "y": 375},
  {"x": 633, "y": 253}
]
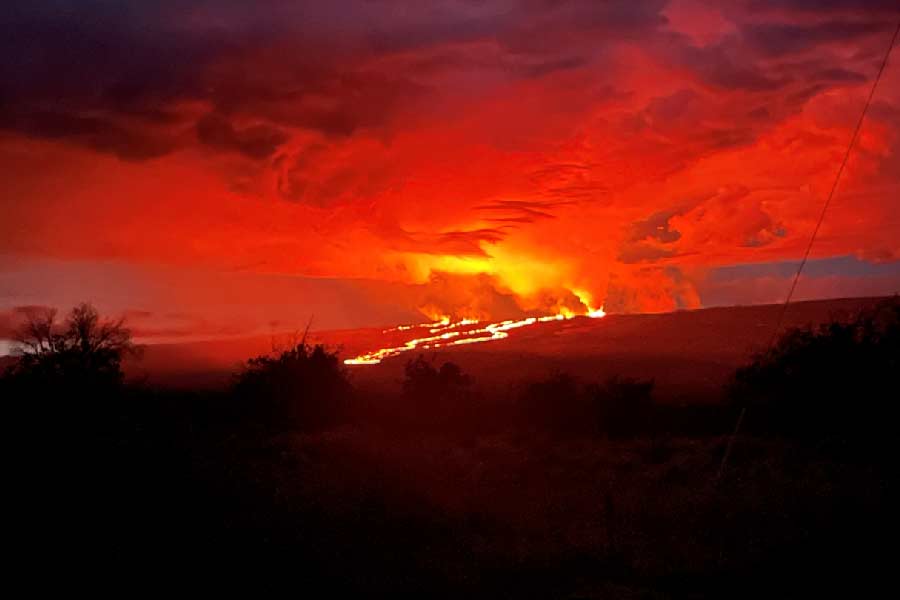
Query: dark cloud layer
[
  {"x": 258, "y": 141},
  {"x": 73, "y": 68},
  {"x": 119, "y": 77}
]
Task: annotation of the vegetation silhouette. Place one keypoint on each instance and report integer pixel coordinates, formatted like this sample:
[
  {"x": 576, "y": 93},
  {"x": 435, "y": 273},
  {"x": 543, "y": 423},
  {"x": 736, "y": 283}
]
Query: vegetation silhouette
[
  {"x": 81, "y": 353},
  {"x": 436, "y": 397},
  {"x": 560, "y": 488},
  {"x": 424, "y": 380},
  {"x": 837, "y": 380},
  {"x": 303, "y": 388}
]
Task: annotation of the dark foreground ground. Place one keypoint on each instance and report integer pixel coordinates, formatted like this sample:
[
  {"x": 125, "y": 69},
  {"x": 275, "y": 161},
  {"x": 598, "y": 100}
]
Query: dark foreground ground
[
  {"x": 381, "y": 513},
  {"x": 504, "y": 495}
]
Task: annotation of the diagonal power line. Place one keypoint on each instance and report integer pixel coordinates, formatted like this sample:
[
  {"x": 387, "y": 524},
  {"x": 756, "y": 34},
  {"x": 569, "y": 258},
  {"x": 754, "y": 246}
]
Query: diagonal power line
[{"x": 812, "y": 238}]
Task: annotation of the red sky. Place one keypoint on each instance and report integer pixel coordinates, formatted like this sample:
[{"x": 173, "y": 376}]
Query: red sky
[{"x": 217, "y": 168}]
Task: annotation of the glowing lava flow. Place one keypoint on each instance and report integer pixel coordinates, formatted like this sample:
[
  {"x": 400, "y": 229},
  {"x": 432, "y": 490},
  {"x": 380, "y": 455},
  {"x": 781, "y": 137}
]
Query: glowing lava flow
[{"x": 465, "y": 331}]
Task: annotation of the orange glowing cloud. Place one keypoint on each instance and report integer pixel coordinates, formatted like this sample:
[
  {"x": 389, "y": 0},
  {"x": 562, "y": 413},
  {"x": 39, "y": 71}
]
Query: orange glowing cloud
[{"x": 483, "y": 160}]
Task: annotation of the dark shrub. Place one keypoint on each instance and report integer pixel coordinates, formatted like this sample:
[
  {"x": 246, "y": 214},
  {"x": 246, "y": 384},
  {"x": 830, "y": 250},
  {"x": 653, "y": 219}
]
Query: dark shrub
[
  {"x": 437, "y": 394},
  {"x": 837, "y": 379},
  {"x": 304, "y": 388}
]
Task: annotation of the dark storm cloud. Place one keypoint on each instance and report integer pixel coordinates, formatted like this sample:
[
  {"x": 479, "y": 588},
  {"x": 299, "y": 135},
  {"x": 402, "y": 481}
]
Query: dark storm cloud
[
  {"x": 77, "y": 70},
  {"x": 314, "y": 177},
  {"x": 542, "y": 68},
  {"x": 772, "y": 48},
  {"x": 335, "y": 100},
  {"x": 724, "y": 65},
  {"x": 258, "y": 141},
  {"x": 466, "y": 242},
  {"x": 655, "y": 227},
  {"x": 546, "y": 26},
  {"x": 455, "y": 243},
  {"x": 99, "y": 133},
  {"x": 86, "y": 65},
  {"x": 117, "y": 76},
  {"x": 826, "y": 6},
  {"x": 685, "y": 114},
  {"x": 838, "y": 75},
  {"x": 649, "y": 239},
  {"x": 520, "y": 211},
  {"x": 778, "y": 39}
]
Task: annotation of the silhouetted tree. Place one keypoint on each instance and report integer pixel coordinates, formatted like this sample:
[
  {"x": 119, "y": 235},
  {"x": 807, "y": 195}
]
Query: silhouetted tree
[
  {"x": 83, "y": 351},
  {"x": 303, "y": 388}
]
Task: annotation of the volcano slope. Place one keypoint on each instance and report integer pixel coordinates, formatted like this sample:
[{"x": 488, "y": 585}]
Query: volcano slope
[{"x": 689, "y": 354}]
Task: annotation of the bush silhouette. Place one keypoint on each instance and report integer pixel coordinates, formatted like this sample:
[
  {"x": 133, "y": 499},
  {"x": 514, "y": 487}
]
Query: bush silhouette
[
  {"x": 423, "y": 380},
  {"x": 838, "y": 378},
  {"x": 82, "y": 353},
  {"x": 437, "y": 395},
  {"x": 304, "y": 388}
]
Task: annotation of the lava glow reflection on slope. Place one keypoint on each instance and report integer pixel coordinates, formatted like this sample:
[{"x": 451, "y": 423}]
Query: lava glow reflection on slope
[{"x": 466, "y": 331}]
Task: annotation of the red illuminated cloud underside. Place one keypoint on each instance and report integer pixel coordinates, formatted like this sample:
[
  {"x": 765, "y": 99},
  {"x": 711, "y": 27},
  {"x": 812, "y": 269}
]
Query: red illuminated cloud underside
[{"x": 495, "y": 157}]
